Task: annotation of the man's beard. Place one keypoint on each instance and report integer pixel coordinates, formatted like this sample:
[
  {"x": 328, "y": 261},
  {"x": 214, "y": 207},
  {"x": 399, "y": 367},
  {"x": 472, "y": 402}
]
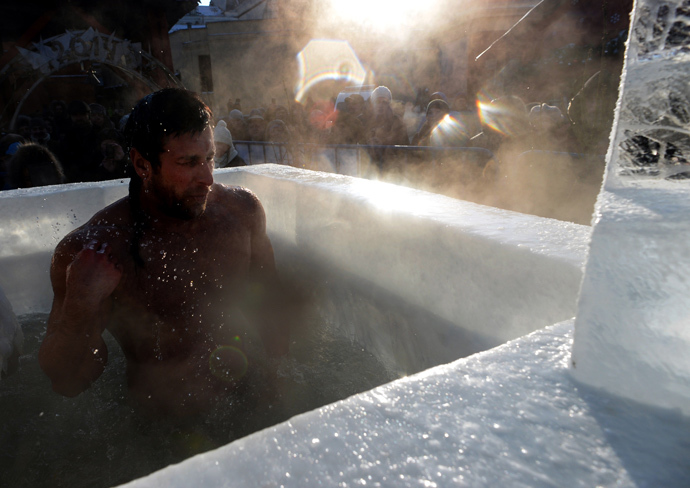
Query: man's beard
[{"x": 174, "y": 206}]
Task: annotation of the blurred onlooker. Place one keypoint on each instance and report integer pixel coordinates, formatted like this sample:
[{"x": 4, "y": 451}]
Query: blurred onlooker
[
  {"x": 237, "y": 126},
  {"x": 435, "y": 112},
  {"x": 317, "y": 130},
  {"x": 299, "y": 121},
  {"x": 385, "y": 128},
  {"x": 226, "y": 154},
  {"x": 80, "y": 150},
  {"x": 34, "y": 165},
  {"x": 114, "y": 161},
  {"x": 358, "y": 107},
  {"x": 280, "y": 113},
  {"x": 277, "y": 131},
  {"x": 256, "y": 128},
  {"x": 60, "y": 118},
  {"x": 9, "y": 144},
  {"x": 284, "y": 152},
  {"x": 348, "y": 128},
  {"x": 39, "y": 131},
  {"x": 234, "y": 105},
  {"x": 99, "y": 117},
  {"x": 22, "y": 126}
]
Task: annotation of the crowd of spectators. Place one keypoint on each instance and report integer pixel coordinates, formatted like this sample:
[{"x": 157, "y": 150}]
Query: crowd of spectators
[
  {"x": 65, "y": 143},
  {"x": 77, "y": 141}
]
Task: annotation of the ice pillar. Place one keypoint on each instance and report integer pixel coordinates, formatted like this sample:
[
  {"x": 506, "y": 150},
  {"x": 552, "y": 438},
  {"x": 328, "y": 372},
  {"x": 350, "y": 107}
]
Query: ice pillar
[{"x": 632, "y": 332}]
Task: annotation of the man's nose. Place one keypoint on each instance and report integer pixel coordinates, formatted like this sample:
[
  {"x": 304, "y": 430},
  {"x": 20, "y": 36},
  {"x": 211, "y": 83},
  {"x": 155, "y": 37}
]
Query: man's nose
[{"x": 205, "y": 174}]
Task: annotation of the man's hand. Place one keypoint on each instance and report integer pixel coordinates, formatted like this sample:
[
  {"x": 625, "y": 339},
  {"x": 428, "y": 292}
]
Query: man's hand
[
  {"x": 73, "y": 353},
  {"x": 94, "y": 273}
]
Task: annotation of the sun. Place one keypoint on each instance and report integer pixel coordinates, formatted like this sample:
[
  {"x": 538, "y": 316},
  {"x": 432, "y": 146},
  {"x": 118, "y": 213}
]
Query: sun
[{"x": 380, "y": 15}]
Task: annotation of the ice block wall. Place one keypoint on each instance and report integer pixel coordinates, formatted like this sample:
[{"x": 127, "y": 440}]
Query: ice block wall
[
  {"x": 482, "y": 274},
  {"x": 632, "y": 332}
]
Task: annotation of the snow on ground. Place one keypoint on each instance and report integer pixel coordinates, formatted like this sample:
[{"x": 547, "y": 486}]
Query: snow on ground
[{"x": 511, "y": 416}]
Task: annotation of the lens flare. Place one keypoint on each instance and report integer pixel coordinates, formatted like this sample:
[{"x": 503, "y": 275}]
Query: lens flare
[
  {"x": 327, "y": 59},
  {"x": 506, "y": 115},
  {"x": 450, "y": 132},
  {"x": 228, "y": 363}
]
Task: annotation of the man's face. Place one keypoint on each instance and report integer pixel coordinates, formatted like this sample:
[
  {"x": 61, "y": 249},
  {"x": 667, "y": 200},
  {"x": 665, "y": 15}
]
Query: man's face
[{"x": 182, "y": 183}]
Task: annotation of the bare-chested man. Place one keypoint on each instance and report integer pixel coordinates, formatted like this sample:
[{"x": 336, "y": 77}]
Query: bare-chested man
[{"x": 180, "y": 272}]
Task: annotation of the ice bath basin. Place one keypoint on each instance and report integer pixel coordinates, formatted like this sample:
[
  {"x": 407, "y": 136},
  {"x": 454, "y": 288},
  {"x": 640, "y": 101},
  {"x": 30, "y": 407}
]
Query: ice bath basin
[
  {"x": 467, "y": 277},
  {"x": 418, "y": 279}
]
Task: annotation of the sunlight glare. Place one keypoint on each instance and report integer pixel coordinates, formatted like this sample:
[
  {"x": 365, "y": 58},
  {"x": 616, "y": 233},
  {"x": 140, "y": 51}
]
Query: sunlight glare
[
  {"x": 389, "y": 198},
  {"x": 380, "y": 14}
]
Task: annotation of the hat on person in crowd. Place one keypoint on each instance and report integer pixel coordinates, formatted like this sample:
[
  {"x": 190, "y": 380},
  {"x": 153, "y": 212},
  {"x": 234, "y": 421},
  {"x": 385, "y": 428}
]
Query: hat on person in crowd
[
  {"x": 255, "y": 116},
  {"x": 438, "y": 104},
  {"x": 10, "y": 143},
  {"x": 78, "y": 107},
  {"x": 13, "y": 148},
  {"x": 236, "y": 114},
  {"x": 438, "y": 96},
  {"x": 222, "y": 134},
  {"x": 381, "y": 92},
  {"x": 97, "y": 108}
]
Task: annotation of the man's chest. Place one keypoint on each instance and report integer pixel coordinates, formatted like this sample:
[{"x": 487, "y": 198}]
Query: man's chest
[{"x": 182, "y": 275}]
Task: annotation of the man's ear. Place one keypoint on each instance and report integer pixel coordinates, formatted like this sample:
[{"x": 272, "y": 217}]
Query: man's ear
[{"x": 142, "y": 166}]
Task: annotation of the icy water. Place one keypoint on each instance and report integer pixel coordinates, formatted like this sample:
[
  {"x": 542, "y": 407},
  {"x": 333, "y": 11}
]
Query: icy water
[{"x": 97, "y": 440}]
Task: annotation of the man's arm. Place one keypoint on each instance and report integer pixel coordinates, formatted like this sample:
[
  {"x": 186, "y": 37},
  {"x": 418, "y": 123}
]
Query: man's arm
[{"x": 73, "y": 353}]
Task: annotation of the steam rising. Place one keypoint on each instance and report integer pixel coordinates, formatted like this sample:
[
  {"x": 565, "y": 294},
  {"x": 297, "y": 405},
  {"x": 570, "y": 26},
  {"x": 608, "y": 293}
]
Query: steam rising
[{"x": 300, "y": 54}]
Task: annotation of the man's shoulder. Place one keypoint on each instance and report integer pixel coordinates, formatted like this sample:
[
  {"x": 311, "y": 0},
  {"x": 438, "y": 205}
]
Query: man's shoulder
[
  {"x": 236, "y": 196},
  {"x": 237, "y": 202},
  {"x": 111, "y": 223}
]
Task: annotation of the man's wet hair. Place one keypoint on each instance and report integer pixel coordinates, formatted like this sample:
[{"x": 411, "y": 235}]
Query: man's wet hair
[{"x": 170, "y": 112}]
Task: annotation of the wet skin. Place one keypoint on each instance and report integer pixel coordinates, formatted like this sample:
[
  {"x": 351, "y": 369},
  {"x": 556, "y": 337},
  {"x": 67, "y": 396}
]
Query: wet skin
[{"x": 208, "y": 268}]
